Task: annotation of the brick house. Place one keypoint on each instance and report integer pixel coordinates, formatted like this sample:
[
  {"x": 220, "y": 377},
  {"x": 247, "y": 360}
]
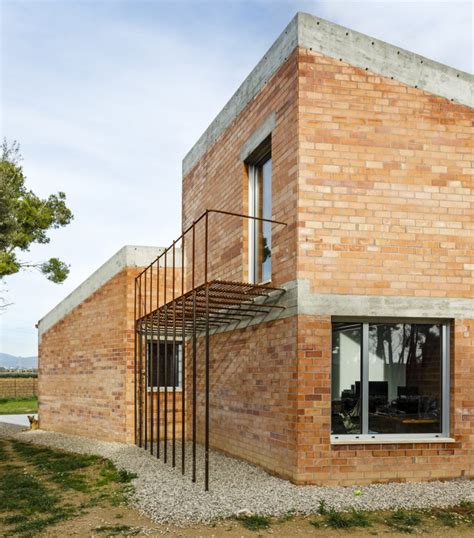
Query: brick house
[{"x": 316, "y": 318}]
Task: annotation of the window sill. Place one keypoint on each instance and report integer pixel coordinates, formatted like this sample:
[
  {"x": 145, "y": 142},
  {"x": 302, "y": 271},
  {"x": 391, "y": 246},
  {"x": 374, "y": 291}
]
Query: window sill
[
  {"x": 163, "y": 389},
  {"x": 393, "y": 441}
]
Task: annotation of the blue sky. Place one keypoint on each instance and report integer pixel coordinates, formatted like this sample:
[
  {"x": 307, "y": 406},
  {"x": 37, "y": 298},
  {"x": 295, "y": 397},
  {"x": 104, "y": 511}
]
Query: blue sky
[{"x": 107, "y": 97}]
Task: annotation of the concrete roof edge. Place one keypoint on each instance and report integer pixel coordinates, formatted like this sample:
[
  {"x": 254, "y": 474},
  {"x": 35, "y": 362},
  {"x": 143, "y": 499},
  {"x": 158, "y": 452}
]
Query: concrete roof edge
[
  {"x": 385, "y": 59},
  {"x": 127, "y": 256},
  {"x": 311, "y": 32}
]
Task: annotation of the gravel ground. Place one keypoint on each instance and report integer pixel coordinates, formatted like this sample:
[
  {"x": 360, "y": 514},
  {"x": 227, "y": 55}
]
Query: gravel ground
[{"x": 164, "y": 496}]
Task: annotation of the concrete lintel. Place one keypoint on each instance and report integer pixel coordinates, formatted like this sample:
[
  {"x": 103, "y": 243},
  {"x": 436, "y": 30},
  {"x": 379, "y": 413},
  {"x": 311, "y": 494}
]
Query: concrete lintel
[
  {"x": 300, "y": 300},
  {"x": 127, "y": 256},
  {"x": 258, "y": 136},
  {"x": 310, "y": 32},
  {"x": 330, "y": 304}
]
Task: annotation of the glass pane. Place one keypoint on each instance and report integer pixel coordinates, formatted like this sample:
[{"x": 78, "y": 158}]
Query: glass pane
[
  {"x": 263, "y": 230},
  {"x": 404, "y": 378},
  {"x": 267, "y": 227},
  {"x": 345, "y": 378}
]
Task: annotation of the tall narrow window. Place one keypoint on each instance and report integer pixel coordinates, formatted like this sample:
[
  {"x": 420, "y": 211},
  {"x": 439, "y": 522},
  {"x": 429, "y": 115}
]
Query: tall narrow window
[
  {"x": 390, "y": 378},
  {"x": 260, "y": 201}
]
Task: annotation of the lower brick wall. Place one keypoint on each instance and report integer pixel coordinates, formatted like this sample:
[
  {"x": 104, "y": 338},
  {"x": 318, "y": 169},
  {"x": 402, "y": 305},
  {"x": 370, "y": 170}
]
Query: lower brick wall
[
  {"x": 86, "y": 367},
  {"x": 319, "y": 462},
  {"x": 169, "y": 413},
  {"x": 252, "y": 395},
  {"x": 83, "y": 365},
  {"x": 270, "y": 400}
]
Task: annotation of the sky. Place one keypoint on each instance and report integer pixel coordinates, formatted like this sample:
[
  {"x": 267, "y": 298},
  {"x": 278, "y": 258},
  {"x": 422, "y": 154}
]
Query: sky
[{"x": 107, "y": 97}]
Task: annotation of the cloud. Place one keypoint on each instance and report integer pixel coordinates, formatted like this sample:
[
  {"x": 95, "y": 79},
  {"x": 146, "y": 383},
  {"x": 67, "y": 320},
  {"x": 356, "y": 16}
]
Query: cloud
[{"x": 106, "y": 98}]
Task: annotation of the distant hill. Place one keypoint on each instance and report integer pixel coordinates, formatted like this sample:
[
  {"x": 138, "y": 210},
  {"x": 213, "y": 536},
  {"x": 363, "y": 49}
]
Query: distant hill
[{"x": 11, "y": 361}]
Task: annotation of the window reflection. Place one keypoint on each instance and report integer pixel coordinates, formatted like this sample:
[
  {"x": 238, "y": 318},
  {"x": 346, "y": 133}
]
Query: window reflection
[
  {"x": 263, "y": 230},
  {"x": 404, "y": 378},
  {"x": 345, "y": 378}
]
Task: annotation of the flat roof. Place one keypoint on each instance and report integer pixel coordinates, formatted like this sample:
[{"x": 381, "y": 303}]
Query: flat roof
[{"x": 360, "y": 50}]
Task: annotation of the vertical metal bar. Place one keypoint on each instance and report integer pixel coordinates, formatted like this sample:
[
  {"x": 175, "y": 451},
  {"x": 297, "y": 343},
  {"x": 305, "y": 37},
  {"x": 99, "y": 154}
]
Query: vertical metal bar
[
  {"x": 140, "y": 366},
  {"x": 364, "y": 385},
  {"x": 165, "y": 414},
  {"x": 206, "y": 402},
  {"x": 194, "y": 355},
  {"x": 173, "y": 369},
  {"x": 183, "y": 367},
  {"x": 158, "y": 342},
  {"x": 445, "y": 380},
  {"x": 150, "y": 373},
  {"x": 135, "y": 363},
  {"x": 146, "y": 361}
]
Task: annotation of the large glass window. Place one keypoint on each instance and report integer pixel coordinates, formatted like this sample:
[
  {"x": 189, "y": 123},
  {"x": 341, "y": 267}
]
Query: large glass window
[
  {"x": 169, "y": 373},
  {"x": 261, "y": 232},
  {"x": 390, "y": 378}
]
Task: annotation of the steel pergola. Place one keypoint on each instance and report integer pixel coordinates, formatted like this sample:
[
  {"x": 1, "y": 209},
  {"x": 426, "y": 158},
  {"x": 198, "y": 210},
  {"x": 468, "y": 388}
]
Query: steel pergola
[{"x": 164, "y": 314}]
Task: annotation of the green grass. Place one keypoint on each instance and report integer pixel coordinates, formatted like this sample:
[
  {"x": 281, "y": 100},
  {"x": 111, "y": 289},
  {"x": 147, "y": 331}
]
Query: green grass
[
  {"x": 18, "y": 406},
  {"x": 254, "y": 522},
  {"x": 340, "y": 520},
  {"x": 114, "y": 530},
  {"x": 3, "y": 454},
  {"x": 405, "y": 520},
  {"x": 447, "y": 519},
  {"x": 289, "y": 516},
  {"x": 109, "y": 473},
  {"x": 322, "y": 509},
  {"x": 35, "y": 486}
]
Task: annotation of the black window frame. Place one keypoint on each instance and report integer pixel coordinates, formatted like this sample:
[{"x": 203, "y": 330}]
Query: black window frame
[{"x": 152, "y": 384}]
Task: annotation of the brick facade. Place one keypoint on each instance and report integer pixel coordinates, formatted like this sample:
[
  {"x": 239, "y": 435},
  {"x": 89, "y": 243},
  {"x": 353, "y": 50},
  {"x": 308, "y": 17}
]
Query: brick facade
[
  {"x": 374, "y": 179},
  {"x": 86, "y": 365},
  {"x": 385, "y": 185},
  {"x": 83, "y": 363}
]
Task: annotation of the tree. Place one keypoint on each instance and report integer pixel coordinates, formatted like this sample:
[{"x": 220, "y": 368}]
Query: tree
[{"x": 25, "y": 219}]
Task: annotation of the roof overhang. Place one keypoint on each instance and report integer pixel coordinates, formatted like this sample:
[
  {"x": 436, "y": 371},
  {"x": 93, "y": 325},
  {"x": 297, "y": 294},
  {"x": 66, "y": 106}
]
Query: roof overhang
[
  {"x": 127, "y": 256},
  {"x": 310, "y": 32}
]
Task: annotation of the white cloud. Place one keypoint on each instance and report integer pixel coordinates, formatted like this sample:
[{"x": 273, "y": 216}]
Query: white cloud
[{"x": 106, "y": 98}]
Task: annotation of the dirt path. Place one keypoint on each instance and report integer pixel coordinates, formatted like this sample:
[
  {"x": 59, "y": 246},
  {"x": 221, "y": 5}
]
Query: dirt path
[
  {"x": 86, "y": 526},
  {"x": 49, "y": 493}
]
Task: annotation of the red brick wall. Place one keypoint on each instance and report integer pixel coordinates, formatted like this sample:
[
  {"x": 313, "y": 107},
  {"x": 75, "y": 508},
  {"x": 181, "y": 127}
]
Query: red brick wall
[
  {"x": 253, "y": 394},
  {"x": 86, "y": 364},
  {"x": 18, "y": 387},
  {"x": 377, "y": 191},
  {"x": 385, "y": 185},
  {"x": 385, "y": 208},
  {"x": 83, "y": 362}
]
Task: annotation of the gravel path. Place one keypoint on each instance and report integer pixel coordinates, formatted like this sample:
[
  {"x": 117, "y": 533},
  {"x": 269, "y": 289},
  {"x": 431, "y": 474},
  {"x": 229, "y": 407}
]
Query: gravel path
[{"x": 163, "y": 494}]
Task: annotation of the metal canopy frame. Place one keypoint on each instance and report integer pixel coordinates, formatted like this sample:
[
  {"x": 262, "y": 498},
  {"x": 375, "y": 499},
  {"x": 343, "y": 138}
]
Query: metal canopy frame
[{"x": 182, "y": 314}]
